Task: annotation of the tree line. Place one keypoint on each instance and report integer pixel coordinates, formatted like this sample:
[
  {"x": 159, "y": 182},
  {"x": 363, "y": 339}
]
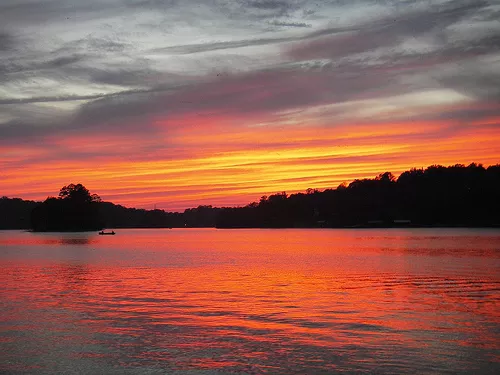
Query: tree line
[
  {"x": 457, "y": 195},
  {"x": 76, "y": 209}
]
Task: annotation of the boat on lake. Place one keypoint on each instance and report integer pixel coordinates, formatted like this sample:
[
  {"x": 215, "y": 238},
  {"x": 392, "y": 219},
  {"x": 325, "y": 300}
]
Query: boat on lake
[{"x": 103, "y": 233}]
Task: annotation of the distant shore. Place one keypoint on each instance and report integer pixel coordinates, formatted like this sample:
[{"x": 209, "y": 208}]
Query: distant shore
[
  {"x": 437, "y": 226},
  {"x": 456, "y": 196}
]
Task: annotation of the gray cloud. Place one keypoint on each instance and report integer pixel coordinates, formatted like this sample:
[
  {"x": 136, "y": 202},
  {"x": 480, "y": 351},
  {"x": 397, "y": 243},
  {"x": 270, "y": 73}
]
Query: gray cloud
[
  {"x": 241, "y": 95},
  {"x": 62, "y": 61},
  {"x": 50, "y": 99},
  {"x": 6, "y": 41},
  {"x": 385, "y": 32},
  {"x": 129, "y": 77},
  {"x": 290, "y": 24},
  {"x": 17, "y": 12},
  {"x": 268, "y": 4},
  {"x": 214, "y": 46},
  {"x": 124, "y": 85},
  {"x": 466, "y": 114}
]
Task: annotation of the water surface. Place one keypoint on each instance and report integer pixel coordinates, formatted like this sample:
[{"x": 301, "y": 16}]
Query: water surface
[{"x": 206, "y": 301}]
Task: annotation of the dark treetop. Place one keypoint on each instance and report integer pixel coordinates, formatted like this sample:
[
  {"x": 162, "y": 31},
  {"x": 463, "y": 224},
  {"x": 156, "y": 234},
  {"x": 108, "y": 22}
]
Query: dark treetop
[{"x": 74, "y": 210}]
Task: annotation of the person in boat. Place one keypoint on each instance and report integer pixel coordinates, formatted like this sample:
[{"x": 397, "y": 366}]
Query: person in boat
[{"x": 103, "y": 232}]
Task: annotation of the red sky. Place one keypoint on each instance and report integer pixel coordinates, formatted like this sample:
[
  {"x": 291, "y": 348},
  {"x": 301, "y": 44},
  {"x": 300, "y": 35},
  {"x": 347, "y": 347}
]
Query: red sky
[{"x": 224, "y": 103}]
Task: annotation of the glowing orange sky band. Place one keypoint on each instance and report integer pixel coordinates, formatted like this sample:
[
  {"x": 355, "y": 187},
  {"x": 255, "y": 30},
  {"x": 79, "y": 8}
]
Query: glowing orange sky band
[{"x": 220, "y": 168}]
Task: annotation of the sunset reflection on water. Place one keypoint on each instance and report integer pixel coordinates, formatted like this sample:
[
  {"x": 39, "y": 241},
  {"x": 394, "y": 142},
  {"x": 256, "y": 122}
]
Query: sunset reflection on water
[{"x": 251, "y": 301}]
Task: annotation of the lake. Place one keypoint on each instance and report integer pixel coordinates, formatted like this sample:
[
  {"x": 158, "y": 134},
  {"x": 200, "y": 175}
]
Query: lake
[{"x": 251, "y": 301}]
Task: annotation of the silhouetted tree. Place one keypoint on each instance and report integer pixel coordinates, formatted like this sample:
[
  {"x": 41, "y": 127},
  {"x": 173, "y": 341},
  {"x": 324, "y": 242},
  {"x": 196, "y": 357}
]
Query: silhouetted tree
[
  {"x": 458, "y": 195},
  {"x": 78, "y": 193},
  {"x": 74, "y": 210},
  {"x": 15, "y": 213}
]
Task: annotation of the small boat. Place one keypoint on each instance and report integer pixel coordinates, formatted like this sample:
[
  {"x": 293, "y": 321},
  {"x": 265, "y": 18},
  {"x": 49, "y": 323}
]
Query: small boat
[{"x": 103, "y": 233}]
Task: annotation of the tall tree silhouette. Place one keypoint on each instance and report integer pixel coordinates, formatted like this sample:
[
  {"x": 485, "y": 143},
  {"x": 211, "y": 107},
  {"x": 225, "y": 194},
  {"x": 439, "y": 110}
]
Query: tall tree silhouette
[
  {"x": 74, "y": 210},
  {"x": 78, "y": 193}
]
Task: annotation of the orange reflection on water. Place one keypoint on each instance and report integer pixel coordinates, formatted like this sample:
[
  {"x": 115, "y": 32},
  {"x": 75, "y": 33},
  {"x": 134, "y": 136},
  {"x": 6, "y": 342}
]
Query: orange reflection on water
[{"x": 259, "y": 301}]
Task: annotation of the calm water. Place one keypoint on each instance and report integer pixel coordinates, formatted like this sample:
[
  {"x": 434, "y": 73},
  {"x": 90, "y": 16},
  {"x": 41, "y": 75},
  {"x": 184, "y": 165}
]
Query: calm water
[{"x": 188, "y": 301}]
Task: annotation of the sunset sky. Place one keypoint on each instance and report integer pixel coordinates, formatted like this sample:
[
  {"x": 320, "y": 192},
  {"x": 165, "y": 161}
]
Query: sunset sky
[{"x": 181, "y": 103}]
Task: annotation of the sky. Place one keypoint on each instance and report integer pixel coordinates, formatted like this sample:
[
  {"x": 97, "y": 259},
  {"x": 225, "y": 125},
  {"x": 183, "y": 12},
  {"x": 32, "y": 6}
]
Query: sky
[{"x": 174, "y": 104}]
